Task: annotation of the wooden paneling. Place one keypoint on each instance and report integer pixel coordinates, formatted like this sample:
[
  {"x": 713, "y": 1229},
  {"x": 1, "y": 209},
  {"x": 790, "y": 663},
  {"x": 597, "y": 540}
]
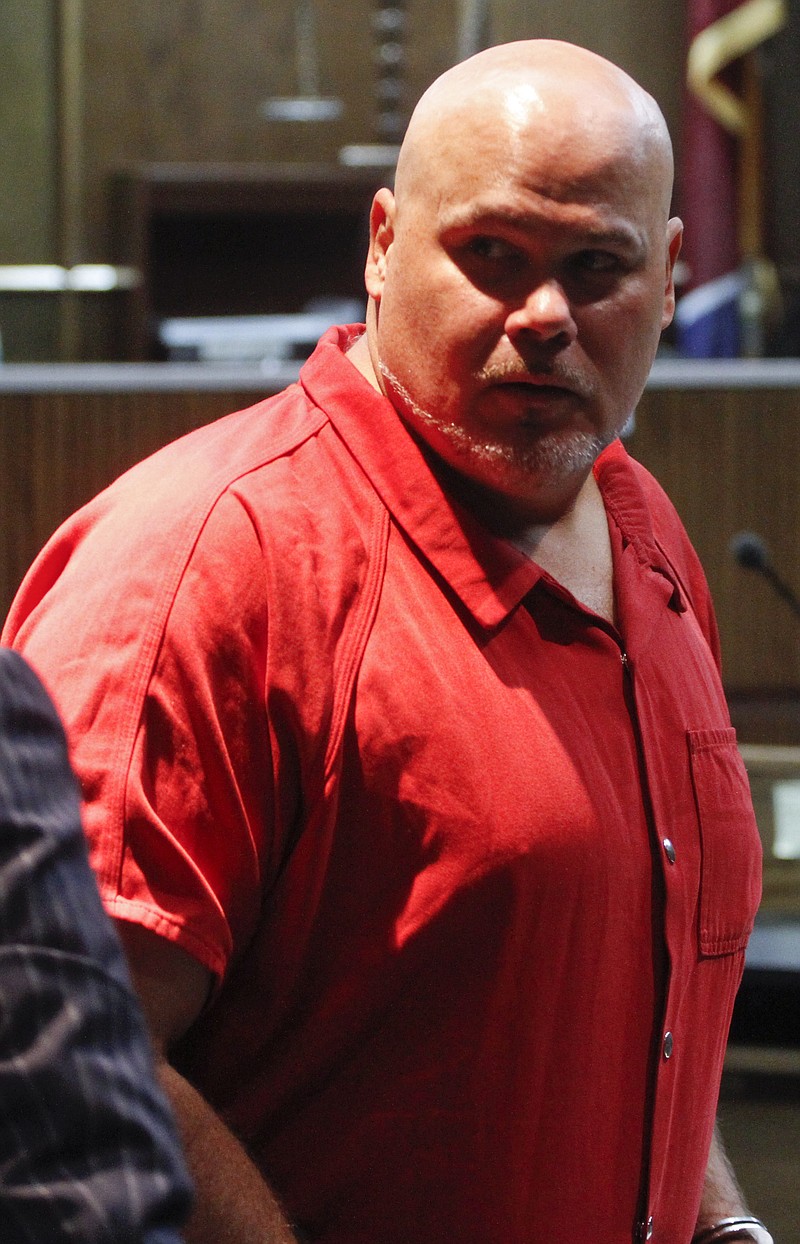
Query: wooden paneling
[
  {"x": 179, "y": 82},
  {"x": 780, "y": 60},
  {"x": 185, "y": 82},
  {"x": 28, "y": 179},
  {"x": 730, "y": 460},
  {"x": 27, "y": 152}
]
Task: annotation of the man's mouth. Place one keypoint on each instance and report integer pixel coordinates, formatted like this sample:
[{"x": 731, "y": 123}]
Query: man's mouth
[
  {"x": 534, "y": 387},
  {"x": 530, "y": 402},
  {"x": 535, "y": 392},
  {"x": 532, "y": 384}
]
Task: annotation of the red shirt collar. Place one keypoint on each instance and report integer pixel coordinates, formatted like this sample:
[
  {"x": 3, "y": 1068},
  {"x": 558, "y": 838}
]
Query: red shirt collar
[{"x": 488, "y": 574}]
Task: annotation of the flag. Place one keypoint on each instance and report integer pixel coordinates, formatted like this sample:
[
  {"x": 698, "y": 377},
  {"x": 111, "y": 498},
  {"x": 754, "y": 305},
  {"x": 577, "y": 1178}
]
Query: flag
[{"x": 721, "y": 170}]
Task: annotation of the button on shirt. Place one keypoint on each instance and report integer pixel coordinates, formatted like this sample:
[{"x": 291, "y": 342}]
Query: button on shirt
[{"x": 449, "y": 936}]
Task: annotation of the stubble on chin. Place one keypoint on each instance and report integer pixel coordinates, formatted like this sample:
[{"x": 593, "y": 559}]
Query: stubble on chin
[{"x": 552, "y": 456}]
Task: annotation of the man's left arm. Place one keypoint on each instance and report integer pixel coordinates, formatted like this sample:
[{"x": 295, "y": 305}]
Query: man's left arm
[
  {"x": 722, "y": 1196},
  {"x": 723, "y": 1200}
]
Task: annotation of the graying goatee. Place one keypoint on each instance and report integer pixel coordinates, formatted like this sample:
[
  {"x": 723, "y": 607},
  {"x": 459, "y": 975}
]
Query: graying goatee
[{"x": 555, "y": 453}]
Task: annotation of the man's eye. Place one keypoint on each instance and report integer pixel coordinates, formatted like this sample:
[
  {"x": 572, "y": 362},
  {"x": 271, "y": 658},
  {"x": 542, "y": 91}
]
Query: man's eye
[
  {"x": 493, "y": 249},
  {"x": 598, "y": 261}
]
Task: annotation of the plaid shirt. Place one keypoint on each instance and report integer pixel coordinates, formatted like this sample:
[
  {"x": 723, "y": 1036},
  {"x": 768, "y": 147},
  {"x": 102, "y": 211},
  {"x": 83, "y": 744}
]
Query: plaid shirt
[{"x": 88, "y": 1150}]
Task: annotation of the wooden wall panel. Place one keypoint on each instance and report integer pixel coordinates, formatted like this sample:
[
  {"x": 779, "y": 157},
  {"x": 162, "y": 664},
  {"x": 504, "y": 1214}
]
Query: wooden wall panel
[
  {"x": 27, "y": 153},
  {"x": 730, "y": 460},
  {"x": 780, "y": 60},
  {"x": 28, "y": 180},
  {"x": 185, "y": 82}
]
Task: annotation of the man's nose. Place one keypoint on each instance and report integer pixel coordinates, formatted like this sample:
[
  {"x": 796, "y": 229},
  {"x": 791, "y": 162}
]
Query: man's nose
[{"x": 546, "y": 314}]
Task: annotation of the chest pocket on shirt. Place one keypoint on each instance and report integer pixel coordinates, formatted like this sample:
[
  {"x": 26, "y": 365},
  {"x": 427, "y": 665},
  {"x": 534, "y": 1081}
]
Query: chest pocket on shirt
[{"x": 730, "y": 869}]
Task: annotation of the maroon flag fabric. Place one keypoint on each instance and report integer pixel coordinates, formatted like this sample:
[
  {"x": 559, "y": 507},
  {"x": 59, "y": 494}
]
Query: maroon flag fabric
[
  {"x": 708, "y": 181},
  {"x": 721, "y": 175}
]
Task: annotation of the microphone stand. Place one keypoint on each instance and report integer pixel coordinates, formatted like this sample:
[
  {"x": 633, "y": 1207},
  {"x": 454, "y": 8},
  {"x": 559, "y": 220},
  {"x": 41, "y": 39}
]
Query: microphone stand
[{"x": 751, "y": 553}]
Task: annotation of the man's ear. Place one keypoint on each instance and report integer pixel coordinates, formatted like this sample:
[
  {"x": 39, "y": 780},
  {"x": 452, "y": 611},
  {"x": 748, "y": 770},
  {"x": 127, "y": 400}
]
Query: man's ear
[
  {"x": 674, "y": 239},
  {"x": 381, "y": 236}
]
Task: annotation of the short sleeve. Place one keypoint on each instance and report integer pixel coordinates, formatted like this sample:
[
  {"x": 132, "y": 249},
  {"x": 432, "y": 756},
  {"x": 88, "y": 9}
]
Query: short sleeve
[
  {"x": 193, "y": 838},
  {"x": 151, "y": 639}
]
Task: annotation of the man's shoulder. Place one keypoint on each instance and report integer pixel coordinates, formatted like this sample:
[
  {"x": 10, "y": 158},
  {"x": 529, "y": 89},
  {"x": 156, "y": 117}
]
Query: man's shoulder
[
  {"x": 164, "y": 501},
  {"x": 216, "y": 454},
  {"x": 136, "y": 538}
]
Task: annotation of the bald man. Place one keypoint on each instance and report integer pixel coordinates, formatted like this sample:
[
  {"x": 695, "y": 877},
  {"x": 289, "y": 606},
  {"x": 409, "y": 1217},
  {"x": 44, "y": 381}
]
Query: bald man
[{"x": 397, "y": 709}]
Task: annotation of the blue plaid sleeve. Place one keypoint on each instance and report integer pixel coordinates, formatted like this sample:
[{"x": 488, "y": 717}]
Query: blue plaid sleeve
[{"x": 88, "y": 1148}]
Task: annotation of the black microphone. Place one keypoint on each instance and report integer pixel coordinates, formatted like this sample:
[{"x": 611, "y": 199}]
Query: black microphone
[{"x": 751, "y": 552}]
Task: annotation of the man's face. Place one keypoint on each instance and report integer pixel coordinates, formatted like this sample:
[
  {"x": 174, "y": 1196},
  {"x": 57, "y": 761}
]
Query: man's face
[{"x": 520, "y": 291}]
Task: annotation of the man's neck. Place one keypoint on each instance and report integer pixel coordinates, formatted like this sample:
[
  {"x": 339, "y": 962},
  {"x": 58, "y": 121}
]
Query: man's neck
[
  {"x": 575, "y": 550},
  {"x": 359, "y": 355},
  {"x": 573, "y": 545}
]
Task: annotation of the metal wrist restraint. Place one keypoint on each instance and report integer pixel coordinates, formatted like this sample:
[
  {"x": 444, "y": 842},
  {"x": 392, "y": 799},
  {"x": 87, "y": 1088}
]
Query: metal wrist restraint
[{"x": 743, "y": 1228}]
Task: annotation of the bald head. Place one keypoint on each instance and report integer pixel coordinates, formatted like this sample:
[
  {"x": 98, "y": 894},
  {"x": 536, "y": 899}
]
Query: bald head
[
  {"x": 521, "y": 272},
  {"x": 538, "y": 91}
]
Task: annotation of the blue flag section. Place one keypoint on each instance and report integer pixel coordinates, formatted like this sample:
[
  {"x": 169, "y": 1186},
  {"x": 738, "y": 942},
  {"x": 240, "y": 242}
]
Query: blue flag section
[{"x": 707, "y": 320}]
